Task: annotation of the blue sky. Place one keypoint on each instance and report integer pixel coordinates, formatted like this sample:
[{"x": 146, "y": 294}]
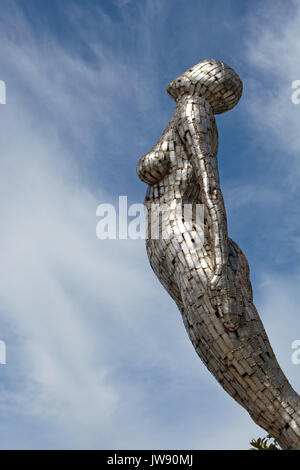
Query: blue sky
[{"x": 97, "y": 354}]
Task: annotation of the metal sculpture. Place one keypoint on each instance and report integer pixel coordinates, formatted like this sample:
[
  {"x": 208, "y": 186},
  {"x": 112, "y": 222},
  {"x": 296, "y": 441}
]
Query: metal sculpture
[{"x": 203, "y": 270}]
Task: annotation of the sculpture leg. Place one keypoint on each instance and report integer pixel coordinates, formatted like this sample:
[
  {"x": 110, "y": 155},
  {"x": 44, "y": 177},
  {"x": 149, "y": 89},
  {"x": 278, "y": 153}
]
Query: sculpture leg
[{"x": 242, "y": 361}]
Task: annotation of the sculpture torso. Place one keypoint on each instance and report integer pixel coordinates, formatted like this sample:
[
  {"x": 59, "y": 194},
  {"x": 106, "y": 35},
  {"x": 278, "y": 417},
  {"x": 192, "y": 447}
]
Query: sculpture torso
[{"x": 167, "y": 167}]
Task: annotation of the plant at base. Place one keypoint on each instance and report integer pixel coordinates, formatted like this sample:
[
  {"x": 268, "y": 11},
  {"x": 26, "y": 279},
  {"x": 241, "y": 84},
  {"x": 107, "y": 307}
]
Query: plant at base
[{"x": 264, "y": 444}]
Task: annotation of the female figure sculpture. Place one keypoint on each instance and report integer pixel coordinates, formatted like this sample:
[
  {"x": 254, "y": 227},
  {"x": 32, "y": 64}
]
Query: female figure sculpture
[{"x": 208, "y": 277}]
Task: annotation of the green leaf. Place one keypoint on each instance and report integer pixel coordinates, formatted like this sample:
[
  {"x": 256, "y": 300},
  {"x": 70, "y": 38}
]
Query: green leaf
[{"x": 264, "y": 444}]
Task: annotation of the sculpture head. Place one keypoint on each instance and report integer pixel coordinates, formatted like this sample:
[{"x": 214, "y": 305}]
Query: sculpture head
[{"x": 211, "y": 79}]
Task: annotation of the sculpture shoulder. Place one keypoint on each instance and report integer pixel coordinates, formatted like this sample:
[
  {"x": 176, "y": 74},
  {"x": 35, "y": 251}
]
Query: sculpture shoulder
[
  {"x": 194, "y": 117},
  {"x": 193, "y": 107}
]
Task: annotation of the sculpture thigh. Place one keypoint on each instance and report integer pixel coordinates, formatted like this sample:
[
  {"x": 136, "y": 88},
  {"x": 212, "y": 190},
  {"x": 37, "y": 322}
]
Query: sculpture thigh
[{"x": 242, "y": 361}]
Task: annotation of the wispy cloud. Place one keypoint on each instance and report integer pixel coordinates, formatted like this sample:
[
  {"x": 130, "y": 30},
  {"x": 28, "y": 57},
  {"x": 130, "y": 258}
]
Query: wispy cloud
[
  {"x": 90, "y": 335},
  {"x": 272, "y": 48},
  {"x": 73, "y": 302}
]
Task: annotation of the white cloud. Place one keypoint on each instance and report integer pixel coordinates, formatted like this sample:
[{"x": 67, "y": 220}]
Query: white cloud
[
  {"x": 279, "y": 302},
  {"x": 60, "y": 285},
  {"x": 272, "y": 49}
]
